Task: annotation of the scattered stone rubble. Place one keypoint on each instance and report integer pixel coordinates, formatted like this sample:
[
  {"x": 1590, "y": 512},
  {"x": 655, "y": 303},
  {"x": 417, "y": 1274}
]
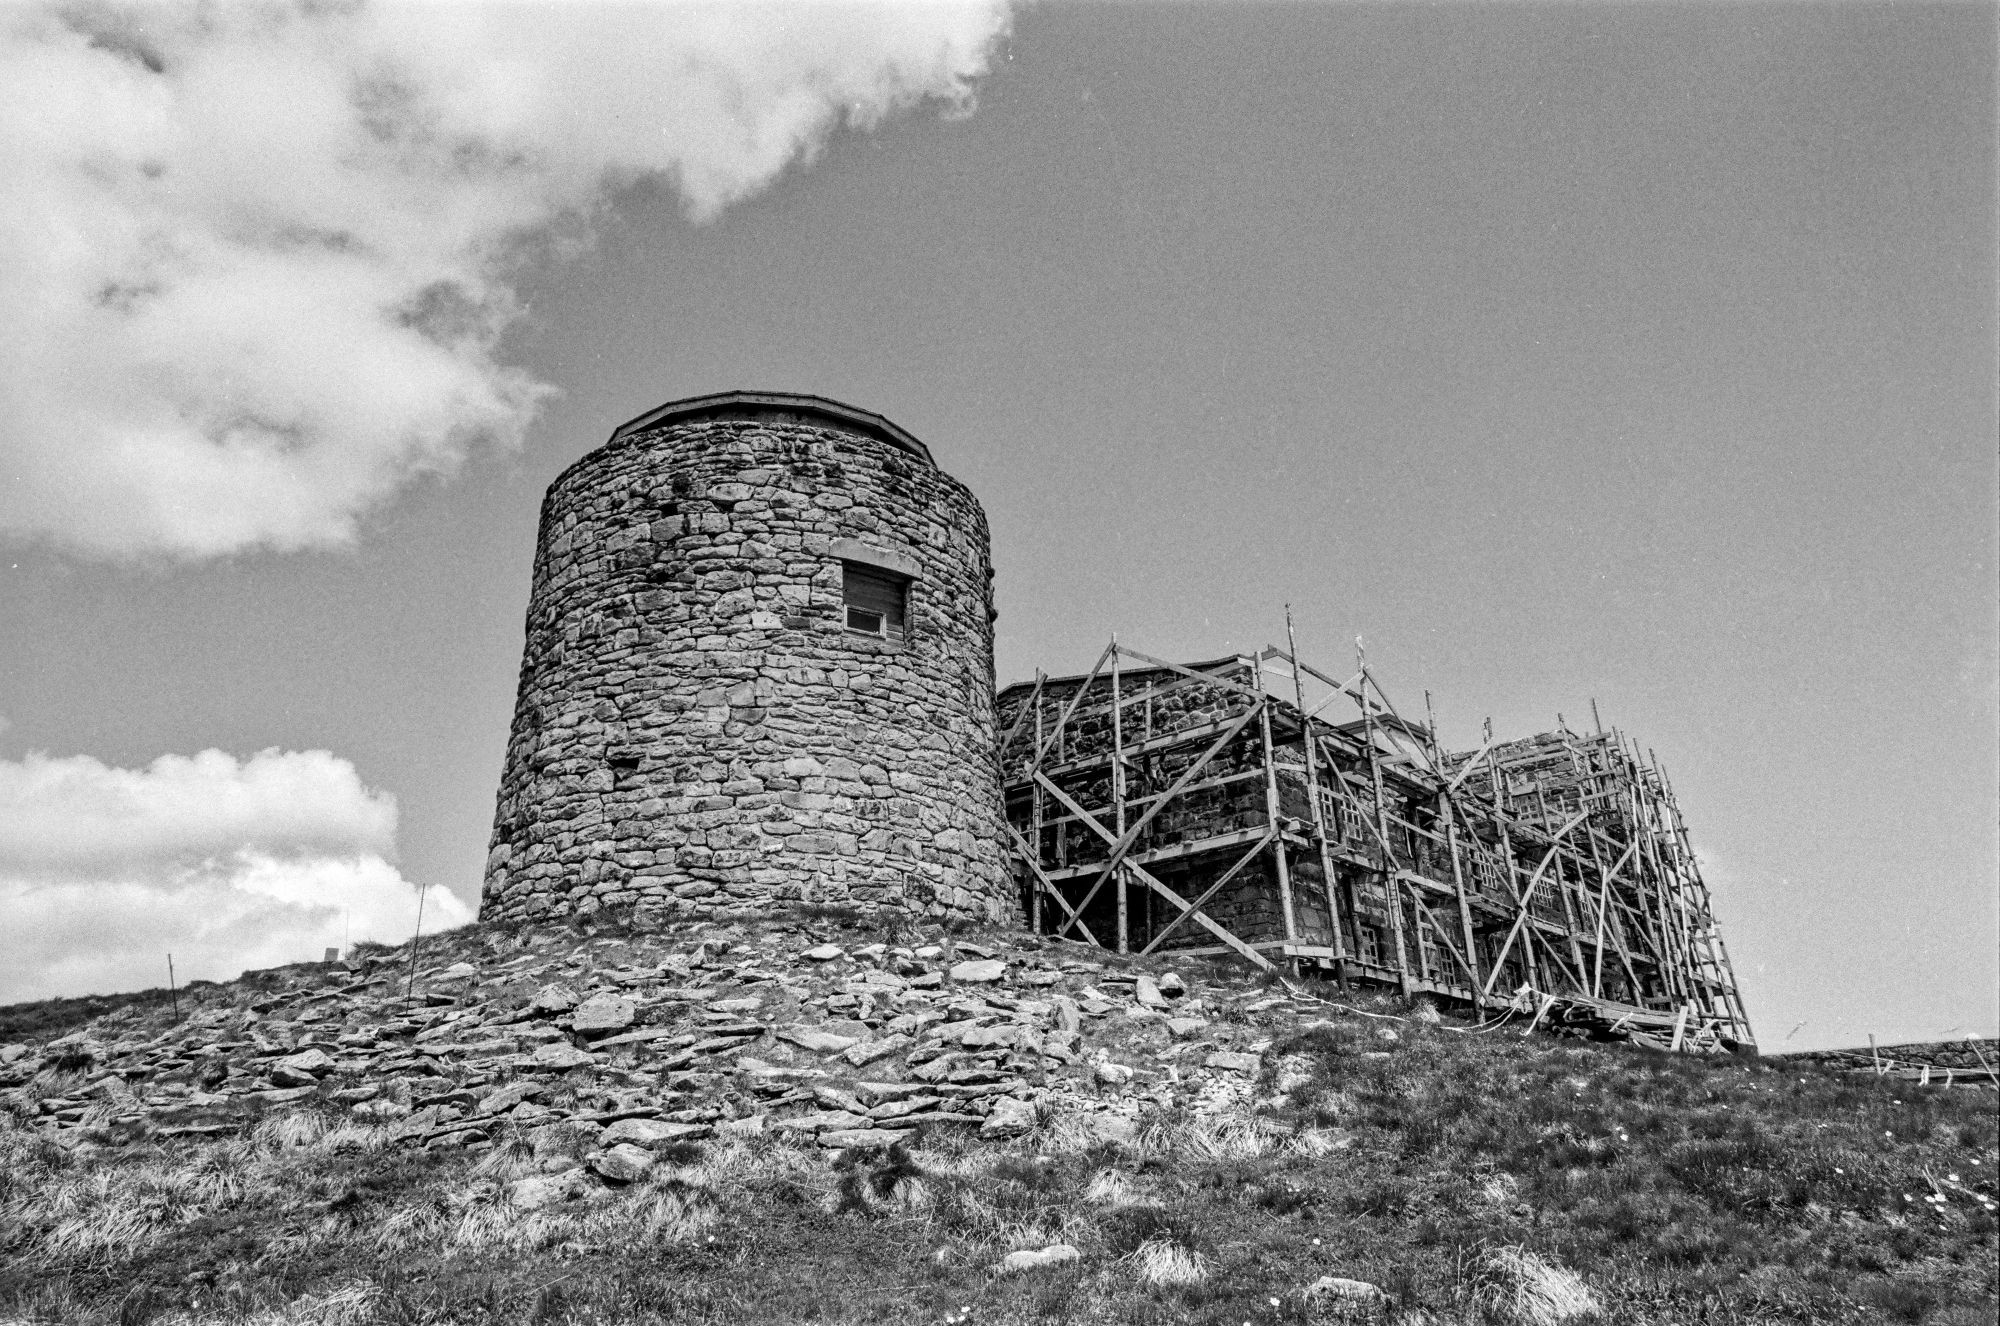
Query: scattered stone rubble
[{"x": 652, "y": 1040}]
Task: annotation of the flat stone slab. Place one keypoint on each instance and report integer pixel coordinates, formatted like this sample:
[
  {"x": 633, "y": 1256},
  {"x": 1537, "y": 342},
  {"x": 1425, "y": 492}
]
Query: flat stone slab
[
  {"x": 819, "y": 1042},
  {"x": 875, "y": 1093},
  {"x": 1230, "y": 1061},
  {"x": 896, "y": 1109},
  {"x": 639, "y": 1037},
  {"x": 622, "y": 1163},
  {"x": 862, "y": 1137},
  {"x": 542, "y": 1190},
  {"x": 651, "y": 1132},
  {"x": 867, "y": 1052},
  {"x": 314, "y": 1063},
  {"x": 560, "y": 1055},
  {"x": 603, "y": 1013},
  {"x": 1037, "y": 1259},
  {"x": 980, "y": 972},
  {"x": 821, "y": 1121},
  {"x": 1010, "y": 1118},
  {"x": 507, "y": 1097}
]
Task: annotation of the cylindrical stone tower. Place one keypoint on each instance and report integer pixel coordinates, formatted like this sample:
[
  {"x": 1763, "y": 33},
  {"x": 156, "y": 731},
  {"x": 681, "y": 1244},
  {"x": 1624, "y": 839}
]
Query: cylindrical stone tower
[{"x": 759, "y": 669}]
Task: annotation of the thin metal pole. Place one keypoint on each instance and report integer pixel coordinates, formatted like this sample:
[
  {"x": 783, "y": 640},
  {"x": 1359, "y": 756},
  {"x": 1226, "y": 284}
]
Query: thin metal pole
[{"x": 410, "y": 985}]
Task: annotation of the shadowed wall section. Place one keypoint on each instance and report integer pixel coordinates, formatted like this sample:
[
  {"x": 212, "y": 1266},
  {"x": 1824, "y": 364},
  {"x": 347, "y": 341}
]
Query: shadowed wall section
[{"x": 719, "y": 710}]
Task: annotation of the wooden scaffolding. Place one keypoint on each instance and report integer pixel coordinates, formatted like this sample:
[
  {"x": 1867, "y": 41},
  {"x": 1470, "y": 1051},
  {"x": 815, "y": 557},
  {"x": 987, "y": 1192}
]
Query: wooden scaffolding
[{"x": 1218, "y": 807}]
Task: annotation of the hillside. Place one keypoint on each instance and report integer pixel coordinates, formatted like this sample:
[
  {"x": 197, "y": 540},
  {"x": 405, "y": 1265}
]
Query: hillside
[{"x": 807, "y": 1120}]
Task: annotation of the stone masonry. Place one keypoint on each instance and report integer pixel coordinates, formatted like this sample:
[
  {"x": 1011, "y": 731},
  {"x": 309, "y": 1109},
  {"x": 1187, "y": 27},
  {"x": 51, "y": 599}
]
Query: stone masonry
[{"x": 697, "y": 731}]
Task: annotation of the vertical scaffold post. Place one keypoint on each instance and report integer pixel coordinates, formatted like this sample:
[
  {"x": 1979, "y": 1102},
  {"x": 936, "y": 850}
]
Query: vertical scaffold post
[
  {"x": 1035, "y": 802},
  {"x": 1308, "y": 748},
  {"x": 1392, "y": 894},
  {"x": 1118, "y": 797},
  {"x": 1449, "y": 813},
  {"x": 1271, "y": 809}
]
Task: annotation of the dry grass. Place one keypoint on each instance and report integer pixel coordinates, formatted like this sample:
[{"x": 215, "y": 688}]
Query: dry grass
[
  {"x": 1165, "y": 1265},
  {"x": 1521, "y": 1288}
]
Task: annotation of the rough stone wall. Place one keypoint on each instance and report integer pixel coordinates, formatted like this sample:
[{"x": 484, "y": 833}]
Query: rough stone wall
[{"x": 696, "y": 731}]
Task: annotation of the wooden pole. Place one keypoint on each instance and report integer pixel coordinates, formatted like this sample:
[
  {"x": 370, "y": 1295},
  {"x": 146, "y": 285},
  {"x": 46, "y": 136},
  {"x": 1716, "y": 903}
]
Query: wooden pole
[
  {"x": 1035, "y": 806},
  {"x": 1271, "y": 811},
  {"x": 173, "y": 991},
  {"x": 1448, "y": 810},
  {"x": 1309, "y": 749},
  {"x": 1391, "y": 895},
  {"x": 1118, "y": 798}
]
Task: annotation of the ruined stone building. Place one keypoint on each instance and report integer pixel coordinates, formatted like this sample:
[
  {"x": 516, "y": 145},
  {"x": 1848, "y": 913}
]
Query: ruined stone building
[
  {"x": 759, "y": 672},
  {"x": 759, "y": 669}
]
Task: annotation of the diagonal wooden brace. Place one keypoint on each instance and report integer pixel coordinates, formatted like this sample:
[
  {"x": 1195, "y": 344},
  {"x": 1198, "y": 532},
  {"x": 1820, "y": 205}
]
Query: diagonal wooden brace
[
  {"x": 1210, "y": 891},
  {"x": 1048, "y": 885},
  {"x": 1527, "y": 896},
  {"x": 1121, "y": 844}
]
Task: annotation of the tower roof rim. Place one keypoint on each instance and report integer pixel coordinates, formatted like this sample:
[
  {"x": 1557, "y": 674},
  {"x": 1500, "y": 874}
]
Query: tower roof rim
[{"x": 716, "y": 402}]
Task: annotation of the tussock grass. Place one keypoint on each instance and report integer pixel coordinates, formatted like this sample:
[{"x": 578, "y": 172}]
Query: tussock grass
[
  {"x": 1517, "y": 1287},
  {"x": 1166, "y": 1265}
]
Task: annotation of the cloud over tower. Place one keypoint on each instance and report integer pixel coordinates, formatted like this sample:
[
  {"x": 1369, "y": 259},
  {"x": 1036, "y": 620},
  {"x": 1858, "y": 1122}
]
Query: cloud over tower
[{"x": 259, "y": 256}]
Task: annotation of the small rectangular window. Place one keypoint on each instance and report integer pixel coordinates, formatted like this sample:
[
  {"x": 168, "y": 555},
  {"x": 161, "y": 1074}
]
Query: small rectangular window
[{"x": 876, "y": 601}]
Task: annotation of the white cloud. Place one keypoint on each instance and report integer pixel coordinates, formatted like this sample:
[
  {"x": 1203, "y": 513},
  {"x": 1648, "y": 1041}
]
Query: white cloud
[
  {"x": 226, "y": 864},
  {"x": 255, "y": 256}
]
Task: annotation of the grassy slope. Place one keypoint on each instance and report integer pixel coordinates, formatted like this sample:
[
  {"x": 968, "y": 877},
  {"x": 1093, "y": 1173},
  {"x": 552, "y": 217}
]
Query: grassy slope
[{"x": 1681, "y": 1189}]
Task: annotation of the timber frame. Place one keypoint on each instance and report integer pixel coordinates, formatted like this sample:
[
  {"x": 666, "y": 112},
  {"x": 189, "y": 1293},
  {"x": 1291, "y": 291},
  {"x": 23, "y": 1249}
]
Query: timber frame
[{"x": 1218, "y": 808}]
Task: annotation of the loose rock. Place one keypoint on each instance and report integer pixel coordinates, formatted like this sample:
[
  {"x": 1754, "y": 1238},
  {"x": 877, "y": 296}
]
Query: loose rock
[{"x": 1053, "y": 1255}]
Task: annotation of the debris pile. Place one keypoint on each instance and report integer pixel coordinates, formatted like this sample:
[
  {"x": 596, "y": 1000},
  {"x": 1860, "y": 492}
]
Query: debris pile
[
  {"x": 1968, "y": 1062},
  {"x": 649, "y": 1040}
]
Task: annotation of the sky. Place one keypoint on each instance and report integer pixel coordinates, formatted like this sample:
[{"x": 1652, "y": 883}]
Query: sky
[{"x": 1634, "y": 353}]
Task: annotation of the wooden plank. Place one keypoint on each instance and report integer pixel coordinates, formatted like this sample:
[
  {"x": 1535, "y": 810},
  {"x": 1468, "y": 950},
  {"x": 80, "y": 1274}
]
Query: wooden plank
[{"x": 1175, "y": 851}]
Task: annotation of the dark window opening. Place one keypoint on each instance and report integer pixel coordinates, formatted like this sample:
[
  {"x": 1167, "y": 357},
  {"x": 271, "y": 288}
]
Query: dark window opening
[{"x": 876, "y": 601}]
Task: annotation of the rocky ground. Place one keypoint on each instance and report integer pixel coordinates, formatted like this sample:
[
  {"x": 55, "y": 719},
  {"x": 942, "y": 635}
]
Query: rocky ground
[
  {"x": 810, "y": 1118},
  {"x": 648, "y": 1039}
]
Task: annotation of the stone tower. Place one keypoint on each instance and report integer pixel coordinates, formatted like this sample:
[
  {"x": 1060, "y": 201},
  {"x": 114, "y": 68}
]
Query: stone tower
[{"x": 759, "y": 669}]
